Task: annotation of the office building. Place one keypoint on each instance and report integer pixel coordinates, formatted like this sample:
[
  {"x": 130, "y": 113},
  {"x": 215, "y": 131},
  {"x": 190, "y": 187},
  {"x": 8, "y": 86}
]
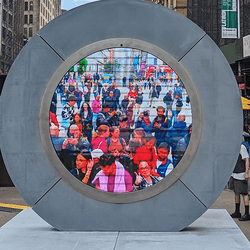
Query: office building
[
  {"x": 179, "y": 6},
  {"x": 38, "y": 13},
  {"x": 11, "y": 38}
]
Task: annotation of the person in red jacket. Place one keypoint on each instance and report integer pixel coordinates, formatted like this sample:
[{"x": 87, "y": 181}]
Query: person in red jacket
[
  {"x": 133, "y": 93},
  {"x": 147, "y": 153},
  {"x": 53, "y": 119}
]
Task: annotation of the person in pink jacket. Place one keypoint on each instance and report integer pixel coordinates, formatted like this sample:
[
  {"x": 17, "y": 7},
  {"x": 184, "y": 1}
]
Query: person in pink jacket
[
  {"x": 100, "y": 141},
  {"x": 112, "y": 177}
]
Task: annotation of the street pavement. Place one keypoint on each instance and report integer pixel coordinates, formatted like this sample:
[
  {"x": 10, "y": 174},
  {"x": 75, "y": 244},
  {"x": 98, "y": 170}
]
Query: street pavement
[{"x": 9, "y": 195}]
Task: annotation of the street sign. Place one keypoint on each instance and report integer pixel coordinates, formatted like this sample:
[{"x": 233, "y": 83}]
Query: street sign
[
  {"x": 246, "y": 46},
  {"x": 242, "y": 86},
  {"x": 229, "y": 18}
]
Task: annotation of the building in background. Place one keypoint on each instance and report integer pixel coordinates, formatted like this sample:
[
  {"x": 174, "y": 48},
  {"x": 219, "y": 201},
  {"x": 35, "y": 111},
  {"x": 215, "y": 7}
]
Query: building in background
[
  {"x": 19, "y": 21},
  {"x": 179, "y": 6},
  {"x": 11, "y": 37},
  {"x": 208, "y": 16},
  {"x": 38, "y": 13}
]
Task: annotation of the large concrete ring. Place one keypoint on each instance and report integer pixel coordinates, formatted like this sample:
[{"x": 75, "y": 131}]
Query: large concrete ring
[{"x": 189, "y": 190}]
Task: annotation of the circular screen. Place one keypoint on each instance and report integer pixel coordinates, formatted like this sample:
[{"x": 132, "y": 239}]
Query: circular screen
[{"x": 120, "y": 120}]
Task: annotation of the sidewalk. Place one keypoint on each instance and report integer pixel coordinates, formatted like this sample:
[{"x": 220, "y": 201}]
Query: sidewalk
[{"x": 9, "y": 195}]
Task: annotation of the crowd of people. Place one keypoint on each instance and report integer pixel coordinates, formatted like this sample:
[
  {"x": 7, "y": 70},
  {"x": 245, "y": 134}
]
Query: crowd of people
[{"x": 108, "y": 139}]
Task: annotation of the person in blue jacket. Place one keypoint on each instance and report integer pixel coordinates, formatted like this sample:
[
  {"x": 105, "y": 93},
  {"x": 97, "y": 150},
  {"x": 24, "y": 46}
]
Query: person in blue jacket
[
  {"x": 146, "y": 124},
  {"x": 174, "y": 134},
  {"x": 183, "y": 144},
  {"x": 111, "y": 101},
  {"x": 163, "y": 165}
]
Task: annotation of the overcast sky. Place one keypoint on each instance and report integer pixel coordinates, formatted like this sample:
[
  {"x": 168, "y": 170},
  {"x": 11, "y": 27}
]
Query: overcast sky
[{"x": 70, "y": 4}]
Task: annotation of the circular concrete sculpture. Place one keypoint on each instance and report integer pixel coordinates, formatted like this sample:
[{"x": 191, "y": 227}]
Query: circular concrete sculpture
[{"x": 190, "y": 189}]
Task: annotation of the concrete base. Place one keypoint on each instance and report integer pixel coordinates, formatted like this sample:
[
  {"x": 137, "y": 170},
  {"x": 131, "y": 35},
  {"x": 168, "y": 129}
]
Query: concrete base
[{"x": 214, "y": 230}]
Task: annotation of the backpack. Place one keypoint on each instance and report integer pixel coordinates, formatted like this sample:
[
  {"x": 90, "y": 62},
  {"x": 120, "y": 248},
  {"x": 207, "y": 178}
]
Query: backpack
[
  {"x": 97, "y": 121},
  {"x": 154, "y": 93},
  {"x": 108, "y": 141},
  {"x": 167, "y": 98},
  {"x": 179, "y": 103},
  {"x": 246, "y": 144}
]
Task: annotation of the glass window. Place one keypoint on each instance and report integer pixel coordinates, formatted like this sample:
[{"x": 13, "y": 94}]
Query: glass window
[
  {"x": 2, "y": 67},
  {"x": 9, "y": 51},
  {"x": 26, "y": 5},
  {"x": 31, "y": 5},
  {"x": 4, "y": 15},
  {"x": 25, "y": 19},
  {"x": 4, "y": 32},
  {"x": 25, "y": 31},
  {"x": 31, "y": 19},
  {"x": 10, "y": 20},
  {"x": 11, "y": 4},
  {"x": 30, "y": 32},
  {"x": 3, "y": 49}
]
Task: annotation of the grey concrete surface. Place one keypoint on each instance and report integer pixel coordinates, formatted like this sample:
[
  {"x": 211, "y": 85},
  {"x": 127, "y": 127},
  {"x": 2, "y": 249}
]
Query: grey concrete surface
[
  {"x": 213, "y": 168},
  {"x": 100, "y": 216},
  {"x": 213, "y": 230},
  {"x": 10, "y": 195},
  {"x": 108, "y": 196},
  {"x": 34, "y": 65},
  {"x": 130, "y": 11},
  {"x": 226, "y": 201}
]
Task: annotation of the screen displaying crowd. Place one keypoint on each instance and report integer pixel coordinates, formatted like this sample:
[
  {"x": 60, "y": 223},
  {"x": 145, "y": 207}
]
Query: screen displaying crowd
[{"x": 120, "y": 120}]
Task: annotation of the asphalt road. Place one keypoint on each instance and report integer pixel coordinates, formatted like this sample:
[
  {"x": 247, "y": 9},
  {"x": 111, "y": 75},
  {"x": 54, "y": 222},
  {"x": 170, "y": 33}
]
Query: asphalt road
[{"x": 9, "y": 195}]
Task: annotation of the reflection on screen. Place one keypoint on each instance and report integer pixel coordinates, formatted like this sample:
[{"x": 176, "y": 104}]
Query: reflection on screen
[{"x": 120, "y": 120}]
